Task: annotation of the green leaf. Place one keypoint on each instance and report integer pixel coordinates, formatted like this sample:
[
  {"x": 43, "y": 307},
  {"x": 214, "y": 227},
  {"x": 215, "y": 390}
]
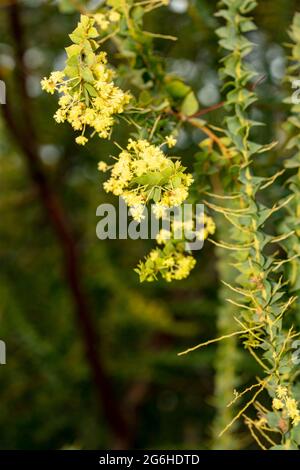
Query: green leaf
[
  {"x": 247, "y": 26},
  {"x": 87, "y": 75},
  {"x": 90, "y": 89},
  {"x": 90, "y": 59},
  {"x": 166, "y": 174},
  {"x": 93, "y": 33},
  {"x": 273, "y": 419},
  {"x": 86, "y": 97},
  {"x": 78, "y": 35},
  {"x": 176, "y": 181},
  {"x": 156, "y": 194},
  {"x": 137, "y": 14},
  {"x": 72, "y": 61},
  {"x": 190, "y": 104},
  {"x": 177, "y": 89},
  {"x": 73, "y": 50},
  {"x": 84, "y": 20},
  {"x": 150, "y": 179},
  {"x": 71, "y": 71},
  {"x": 145, "y": 97}
]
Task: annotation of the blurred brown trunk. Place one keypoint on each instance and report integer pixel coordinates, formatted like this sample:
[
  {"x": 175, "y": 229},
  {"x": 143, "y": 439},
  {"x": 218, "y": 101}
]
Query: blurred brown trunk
[{"x": 25, "y": 138}]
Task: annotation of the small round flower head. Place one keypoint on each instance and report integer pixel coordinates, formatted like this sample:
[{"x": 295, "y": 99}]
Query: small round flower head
[
  {"x": 170, "y": 141},
  {"x": 50, "y": 84},
  {"x": 287, "y": 403},
  {"x": 102, "y": 166},
  {"x": 159, "y": 211},
  {"x": 137, "y": 212},
  {"x": 277, "y": 404},
  {"x": 81, "y": 140},
  {"x": 114, "y": 16},
  {"x": 101, "y": 20},
  {"x": 281, "y": 392},
  {"x": 209, "y": 226},
  {"x": 292, "y": 409},
  {"x": 60, "y": 116},
  {"x": 162, "y": 236}
]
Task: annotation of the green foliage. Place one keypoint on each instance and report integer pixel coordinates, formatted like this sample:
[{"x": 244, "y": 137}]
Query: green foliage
[
  {"x": 127, "y": 81},
  {"x": 262, "y": 299},
  {"x": 259, "y": 287}
]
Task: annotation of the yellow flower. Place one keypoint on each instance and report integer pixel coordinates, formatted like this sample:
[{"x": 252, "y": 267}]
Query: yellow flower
[
  {"x": 101, "y": 21},
  {"x": 178, "y": 195},
  {"x": 65, "y": 100},
  {"x": 89, "y": 116},
  {"x": 114, "y": 16},
  {"x": 277, "y": 404},
  {"x": 57, "y": 76},
  {"x": 60, "y": 116},
  {"x": 209, "y": 226},
  {"x": 185, "y": 265},
  {"x": 170, "y": 141},
  {"x": 171, "y": 265},
  {"x": 137, "y": 212},
  {"x": 162, "y": 236},
  {"x": 102, "y": 166},
  {"x": 81, "y": 140},
  {"x": 153, "y": 255},
  {"x": 159, "y": 211},
  {"x": 292, "y": 409},
  {"x": 296, "y": 420},
  {"x": 48, "y": 85},
  {"x": 281, "y": 391}
]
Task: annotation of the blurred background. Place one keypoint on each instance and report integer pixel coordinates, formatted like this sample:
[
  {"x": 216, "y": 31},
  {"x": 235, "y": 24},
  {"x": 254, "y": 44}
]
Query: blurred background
[{"x": 92, "y": 353}]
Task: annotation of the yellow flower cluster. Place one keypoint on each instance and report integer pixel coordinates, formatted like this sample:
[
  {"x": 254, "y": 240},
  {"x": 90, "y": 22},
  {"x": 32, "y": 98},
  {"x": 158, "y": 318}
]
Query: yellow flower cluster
[
  {"x": 283, "y": 401},
  {"x": 50, "y": 84},
  {"x": 171, "y": 260},
  {"x": 209, "y": 226},
  {"x": 169, "y": 263},
  {"x": 106, "y": 18},
  {"x": 89, "y": 97},
  {"x": 142, "y": 172},
  {"x": 186, "y": 230}
]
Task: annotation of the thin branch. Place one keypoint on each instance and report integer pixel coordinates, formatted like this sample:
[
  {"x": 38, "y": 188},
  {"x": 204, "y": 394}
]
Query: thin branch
[{"x": 215, "y": 340}]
